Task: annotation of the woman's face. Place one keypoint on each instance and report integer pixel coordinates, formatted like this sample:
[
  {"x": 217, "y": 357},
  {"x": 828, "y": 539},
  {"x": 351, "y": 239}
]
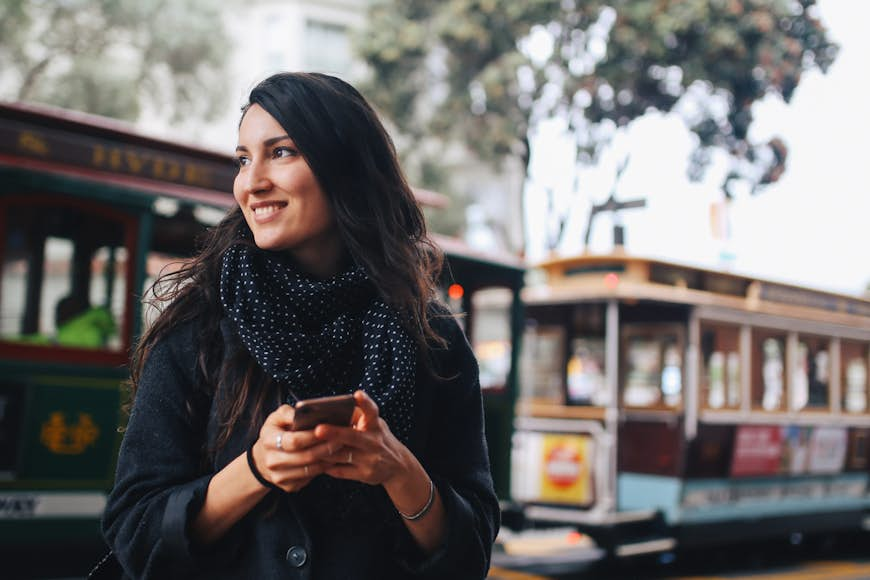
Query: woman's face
[{"x": 280, "y": 197}]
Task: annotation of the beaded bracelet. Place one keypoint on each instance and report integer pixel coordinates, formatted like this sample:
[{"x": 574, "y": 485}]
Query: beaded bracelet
[
  {"x": 425, "y": 509},
  {"x": 265, "y": 482}
]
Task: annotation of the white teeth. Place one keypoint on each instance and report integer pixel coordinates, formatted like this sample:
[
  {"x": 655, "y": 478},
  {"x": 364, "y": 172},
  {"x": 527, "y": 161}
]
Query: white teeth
[{"x": 266, "y": 210}]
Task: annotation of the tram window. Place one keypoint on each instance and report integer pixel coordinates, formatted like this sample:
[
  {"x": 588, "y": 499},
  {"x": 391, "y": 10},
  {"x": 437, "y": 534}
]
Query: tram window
[
  {"x": 811, "y": 374},
  {"x": 157, "y": 265},
  {"x": 64, "y": 278},
  {"x": 584, "y": 372},
  {"x": 720, "y": 366},
  {"x": 491, "y": 335},
  {"x": 542, "y": 362},
  {"x": 653, "y": 367},
  {"x": 855, "y": 356},
  {"x": 769, "y": 361}
]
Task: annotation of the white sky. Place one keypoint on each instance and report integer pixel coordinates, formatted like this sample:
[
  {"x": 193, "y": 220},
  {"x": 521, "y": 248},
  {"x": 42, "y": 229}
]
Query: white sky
[{"x": 810, "y": 228}]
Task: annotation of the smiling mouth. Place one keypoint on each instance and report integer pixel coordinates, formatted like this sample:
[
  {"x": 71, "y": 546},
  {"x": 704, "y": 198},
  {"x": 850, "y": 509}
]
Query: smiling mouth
[{"x": 267, "y": 209}]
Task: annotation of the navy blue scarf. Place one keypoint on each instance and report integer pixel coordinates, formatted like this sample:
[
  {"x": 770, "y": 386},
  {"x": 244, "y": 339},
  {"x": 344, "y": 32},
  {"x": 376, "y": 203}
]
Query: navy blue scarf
[{"x": 316, "y": 336}]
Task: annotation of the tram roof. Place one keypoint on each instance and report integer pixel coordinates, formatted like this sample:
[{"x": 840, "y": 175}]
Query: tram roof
[
  {"x": 72, "y": 143},
  {"x": 623, "y": 276},
  {"x": 502, "y": 260}
]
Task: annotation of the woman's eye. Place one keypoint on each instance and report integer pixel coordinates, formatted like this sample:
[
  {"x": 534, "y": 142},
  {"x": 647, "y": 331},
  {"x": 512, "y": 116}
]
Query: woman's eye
[
  {"x": 284, "y": 152},
  {"x": 241, "y": 161}
]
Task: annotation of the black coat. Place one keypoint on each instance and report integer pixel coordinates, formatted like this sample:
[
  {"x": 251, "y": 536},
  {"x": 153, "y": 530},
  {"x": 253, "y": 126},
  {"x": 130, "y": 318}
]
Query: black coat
[{"x": 160, "y": 485}]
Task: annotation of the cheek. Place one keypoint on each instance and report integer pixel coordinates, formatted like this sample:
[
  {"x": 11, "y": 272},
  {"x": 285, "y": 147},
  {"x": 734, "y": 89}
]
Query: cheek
[
  {"x": 325, "y": 217},
  {"x": 237, "y": 191}
]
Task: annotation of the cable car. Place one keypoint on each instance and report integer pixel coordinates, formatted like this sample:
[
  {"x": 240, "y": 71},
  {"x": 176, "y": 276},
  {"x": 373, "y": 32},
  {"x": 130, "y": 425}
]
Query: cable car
[{"x": 663, "y": 405}]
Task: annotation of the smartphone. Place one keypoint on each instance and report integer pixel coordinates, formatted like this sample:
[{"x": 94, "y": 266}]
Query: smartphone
[{"x": 335, "y": 410}]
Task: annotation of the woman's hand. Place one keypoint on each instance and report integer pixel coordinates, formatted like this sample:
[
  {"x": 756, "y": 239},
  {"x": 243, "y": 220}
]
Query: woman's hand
[
  {"x": 289, "y": 459},
  {"x": 367, "y": 451}
]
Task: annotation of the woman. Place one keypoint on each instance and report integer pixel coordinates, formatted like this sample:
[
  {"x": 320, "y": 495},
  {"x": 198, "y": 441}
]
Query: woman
[{"x": 320, "y": 282}]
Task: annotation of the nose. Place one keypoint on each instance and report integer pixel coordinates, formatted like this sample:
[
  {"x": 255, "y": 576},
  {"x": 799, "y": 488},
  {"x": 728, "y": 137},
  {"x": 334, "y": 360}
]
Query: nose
[{"x": 256, "y": 179}]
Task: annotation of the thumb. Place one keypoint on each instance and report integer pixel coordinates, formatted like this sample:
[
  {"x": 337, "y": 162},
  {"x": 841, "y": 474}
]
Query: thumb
[{"x": 369, "y": 409}]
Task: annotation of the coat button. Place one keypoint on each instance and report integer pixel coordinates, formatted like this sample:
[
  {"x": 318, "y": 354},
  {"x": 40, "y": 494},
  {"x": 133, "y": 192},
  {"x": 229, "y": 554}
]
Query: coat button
[{"x": 297, "y": 556}]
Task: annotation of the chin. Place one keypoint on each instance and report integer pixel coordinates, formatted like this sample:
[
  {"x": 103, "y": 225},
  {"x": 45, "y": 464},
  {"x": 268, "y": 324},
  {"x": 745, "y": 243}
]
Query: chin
[{"x": 267, "y": 243}]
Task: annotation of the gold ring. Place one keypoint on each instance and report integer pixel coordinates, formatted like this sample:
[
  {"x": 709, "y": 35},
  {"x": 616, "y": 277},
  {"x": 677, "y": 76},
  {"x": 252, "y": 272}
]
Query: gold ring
[
  {"x": 350, "y": 456},
  {"x": 306, "y": 471},
  {"x": 278, "y": 441}
]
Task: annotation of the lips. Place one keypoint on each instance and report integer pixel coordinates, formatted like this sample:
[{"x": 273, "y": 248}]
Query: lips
[{"x": 263, "y": 210}]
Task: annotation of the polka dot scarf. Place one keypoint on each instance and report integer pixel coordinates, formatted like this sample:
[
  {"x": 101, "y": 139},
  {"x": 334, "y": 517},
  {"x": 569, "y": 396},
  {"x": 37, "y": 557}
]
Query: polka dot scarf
[{"x": 309, "y": 334}]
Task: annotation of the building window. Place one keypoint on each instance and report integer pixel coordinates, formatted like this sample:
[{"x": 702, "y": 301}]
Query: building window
[{"x": 327, "y": 47}]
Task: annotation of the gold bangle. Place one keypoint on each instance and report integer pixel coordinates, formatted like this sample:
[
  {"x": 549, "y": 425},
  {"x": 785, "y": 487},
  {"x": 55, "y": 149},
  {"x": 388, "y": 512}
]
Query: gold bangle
[{"x": 425, "y": 509}]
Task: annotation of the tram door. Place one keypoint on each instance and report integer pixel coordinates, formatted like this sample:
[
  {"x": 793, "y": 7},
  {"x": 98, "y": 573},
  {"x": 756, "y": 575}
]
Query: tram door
[
  {"x": 65, "y": 326},
  {"x": 561, "y": 455}
]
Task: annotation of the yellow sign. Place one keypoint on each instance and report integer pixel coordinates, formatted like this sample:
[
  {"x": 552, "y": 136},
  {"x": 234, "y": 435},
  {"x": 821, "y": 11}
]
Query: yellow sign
[
  {"x": 130, "y": 161},
  {"x": 566, "y": 469},
  {"x": 32, "y": 143},
  {"x": 65, "y": 439}
]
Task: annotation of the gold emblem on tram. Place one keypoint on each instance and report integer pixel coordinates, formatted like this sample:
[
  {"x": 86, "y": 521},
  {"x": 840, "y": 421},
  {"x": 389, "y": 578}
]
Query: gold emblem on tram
[
  {"x": 68, "y": 439},
  {"x": 32, "y": 143}
]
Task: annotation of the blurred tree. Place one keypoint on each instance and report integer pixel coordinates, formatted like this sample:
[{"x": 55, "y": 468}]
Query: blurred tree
[
  {"x": 448, "y": 220},
  {"x": 484, "y": 72},
  {"x": 114, "y": 57}
]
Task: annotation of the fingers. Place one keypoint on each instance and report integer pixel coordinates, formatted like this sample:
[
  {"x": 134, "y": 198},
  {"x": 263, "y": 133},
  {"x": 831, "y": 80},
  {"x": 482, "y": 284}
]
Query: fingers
[
  {"x": 299, "y": 455},
  {"x": 341, "y": 438},
  {"x": 293, "y": 470},
  {"x": 369, "y": 409},
  {"x": 367, "y": 430},
  {"x": 281, "y": 418},
  {"x": 344, "y": 471},
  {"x": 345, "y": 455},
  {"x": 365, "y": 418},
  {"x": 296, "y": 480},
  {"x": 281, "y": 440},
  {"x": 291, "y": 459}
]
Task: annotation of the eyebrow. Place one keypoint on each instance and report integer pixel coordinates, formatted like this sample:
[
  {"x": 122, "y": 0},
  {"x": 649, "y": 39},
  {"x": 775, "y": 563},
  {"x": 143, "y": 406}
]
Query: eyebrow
[{"x": 268, "y": 142}]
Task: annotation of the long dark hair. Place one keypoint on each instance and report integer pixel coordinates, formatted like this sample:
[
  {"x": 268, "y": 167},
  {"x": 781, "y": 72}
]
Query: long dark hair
[{"x": 377, "y": 216}]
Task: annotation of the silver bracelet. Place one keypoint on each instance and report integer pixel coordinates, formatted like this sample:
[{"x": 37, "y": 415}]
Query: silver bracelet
[{"x": 425, "y": 509}]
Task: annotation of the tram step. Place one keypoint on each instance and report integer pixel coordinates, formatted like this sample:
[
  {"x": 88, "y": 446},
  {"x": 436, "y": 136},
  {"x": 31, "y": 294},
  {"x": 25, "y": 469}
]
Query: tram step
[{"x": 645, "y": 547}]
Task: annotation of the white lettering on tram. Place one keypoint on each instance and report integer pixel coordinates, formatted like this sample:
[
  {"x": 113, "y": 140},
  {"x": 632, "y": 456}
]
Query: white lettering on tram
[
  {"x": 17, "y": 507},
  {"x": 24, "y": 505}
]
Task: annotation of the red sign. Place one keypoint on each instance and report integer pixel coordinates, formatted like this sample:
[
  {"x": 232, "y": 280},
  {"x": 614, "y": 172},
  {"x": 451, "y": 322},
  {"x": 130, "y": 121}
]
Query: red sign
[
  {"x": 757, "y": 450},
  {"x": 562, "y": 466}
]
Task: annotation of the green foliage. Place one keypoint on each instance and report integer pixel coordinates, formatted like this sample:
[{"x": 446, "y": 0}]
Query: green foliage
[
  {"x": 449, "y": 220},
  {"x": 115, "y": 57},
  {"x": 467, "y": 70}
]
